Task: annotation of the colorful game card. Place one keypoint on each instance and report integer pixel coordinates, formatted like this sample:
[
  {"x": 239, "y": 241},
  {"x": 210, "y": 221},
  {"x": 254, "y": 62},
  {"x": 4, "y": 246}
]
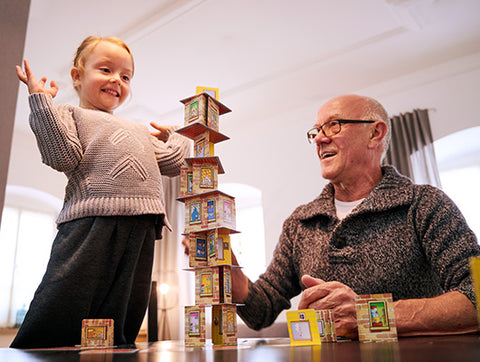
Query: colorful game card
[
  {"x": 213, "y": 92},
  {"x": 475, "y": 269},
  {"x": 97, "y": 333},
  {"x": 376, "y": 318},
  {"x": 303, "y": 327}
]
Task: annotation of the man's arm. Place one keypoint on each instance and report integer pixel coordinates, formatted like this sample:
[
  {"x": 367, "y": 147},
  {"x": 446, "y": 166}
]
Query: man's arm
[
  {"x": 449, "y": 313},
  {"x": 239, "y": 283},
  {"x": 264, "y": 299}
]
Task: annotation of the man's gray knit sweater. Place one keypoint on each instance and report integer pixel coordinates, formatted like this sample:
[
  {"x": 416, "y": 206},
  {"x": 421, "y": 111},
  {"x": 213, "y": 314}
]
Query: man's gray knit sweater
[
  {"x": 113, "y": 166},
  {"x": 405, "y": 239}
]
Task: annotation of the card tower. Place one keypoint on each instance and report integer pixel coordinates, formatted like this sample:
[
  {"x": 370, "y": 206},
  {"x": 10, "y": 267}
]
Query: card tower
[{"x": 209, "y": 221}]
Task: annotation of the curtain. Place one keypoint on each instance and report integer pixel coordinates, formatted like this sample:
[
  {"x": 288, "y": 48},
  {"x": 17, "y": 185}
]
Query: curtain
[
  {"x": 165, "y": 270},
  {"x": 411, "y": 148}
]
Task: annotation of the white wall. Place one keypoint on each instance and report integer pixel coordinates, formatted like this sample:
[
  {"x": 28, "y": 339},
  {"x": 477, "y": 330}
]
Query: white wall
[
  {"x": 274, "y": 156},
  {"x": 450, "y": 89},
  {"x": 272, "y": 153}
]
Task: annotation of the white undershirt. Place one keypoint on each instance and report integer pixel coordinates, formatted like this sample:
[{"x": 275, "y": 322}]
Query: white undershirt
[{"x": 344, "y": 208}]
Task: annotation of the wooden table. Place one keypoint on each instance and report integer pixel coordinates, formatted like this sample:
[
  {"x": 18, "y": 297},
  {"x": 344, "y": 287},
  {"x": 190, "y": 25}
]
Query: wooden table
[{"x": 464, "y": 348}]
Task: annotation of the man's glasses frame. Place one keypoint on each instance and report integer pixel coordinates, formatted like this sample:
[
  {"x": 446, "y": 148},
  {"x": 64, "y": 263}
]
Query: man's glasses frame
[{"x": 332, "y": 127}]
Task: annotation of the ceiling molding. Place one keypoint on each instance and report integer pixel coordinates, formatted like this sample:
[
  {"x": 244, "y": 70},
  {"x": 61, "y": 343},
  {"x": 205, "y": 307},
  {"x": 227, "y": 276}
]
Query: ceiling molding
[
  {"x": 164, "y": 15},
  {"x": 287, "y": 72},
  {"x": 411, "y": 14}
]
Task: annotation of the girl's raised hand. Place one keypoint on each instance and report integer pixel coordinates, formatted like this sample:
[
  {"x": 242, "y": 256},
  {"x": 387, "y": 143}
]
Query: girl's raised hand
[
  {"x": 161, "y": 131},
  {"x": 35, "y": 86}
]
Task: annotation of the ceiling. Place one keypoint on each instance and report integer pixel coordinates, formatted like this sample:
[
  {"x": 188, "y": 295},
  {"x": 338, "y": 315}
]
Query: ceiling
[{"x": 265, "y": 56}]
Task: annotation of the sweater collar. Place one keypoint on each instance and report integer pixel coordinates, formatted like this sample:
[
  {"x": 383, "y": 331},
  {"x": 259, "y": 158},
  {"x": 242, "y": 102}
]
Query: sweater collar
[{"x": 393, "y": 190}]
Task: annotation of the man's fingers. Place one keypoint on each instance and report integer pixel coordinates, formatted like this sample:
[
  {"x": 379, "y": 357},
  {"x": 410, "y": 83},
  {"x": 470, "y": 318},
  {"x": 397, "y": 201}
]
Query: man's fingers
[
  {"x": 312, "y": 296},
  {"x": 310, "y": 281}
]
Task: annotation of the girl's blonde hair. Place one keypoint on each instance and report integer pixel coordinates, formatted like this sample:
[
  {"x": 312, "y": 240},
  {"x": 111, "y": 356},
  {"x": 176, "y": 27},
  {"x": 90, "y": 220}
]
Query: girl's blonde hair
[{"x": 89, "y": 44}]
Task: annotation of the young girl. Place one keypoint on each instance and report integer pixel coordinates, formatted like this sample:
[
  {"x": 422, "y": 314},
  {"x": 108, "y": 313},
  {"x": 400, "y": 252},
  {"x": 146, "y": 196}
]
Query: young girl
[{"x": 101, "y": 259}]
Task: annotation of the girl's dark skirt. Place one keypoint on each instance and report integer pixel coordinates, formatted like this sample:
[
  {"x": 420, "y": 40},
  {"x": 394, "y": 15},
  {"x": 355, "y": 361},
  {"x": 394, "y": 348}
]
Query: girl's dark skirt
[{"x": 99, "y": 267}]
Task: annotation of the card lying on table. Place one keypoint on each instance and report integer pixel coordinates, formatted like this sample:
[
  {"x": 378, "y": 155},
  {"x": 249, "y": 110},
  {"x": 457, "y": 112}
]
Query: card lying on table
[{"x": 97, "y": 333}]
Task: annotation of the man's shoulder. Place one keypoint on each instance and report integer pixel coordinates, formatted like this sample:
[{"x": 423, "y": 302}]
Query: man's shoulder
[
  {"x": 396, "y": 189},
  {"x": 320, "y": 206}
]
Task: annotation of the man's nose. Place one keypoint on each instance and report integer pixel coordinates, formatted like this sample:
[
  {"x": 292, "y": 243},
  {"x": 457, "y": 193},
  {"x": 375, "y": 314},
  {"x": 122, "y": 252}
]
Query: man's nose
[{"x": 320, "y": 137}]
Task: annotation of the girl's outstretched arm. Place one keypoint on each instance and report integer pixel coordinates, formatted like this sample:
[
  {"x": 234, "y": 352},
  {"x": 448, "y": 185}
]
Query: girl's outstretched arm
[{"x": 35, "y": 86}]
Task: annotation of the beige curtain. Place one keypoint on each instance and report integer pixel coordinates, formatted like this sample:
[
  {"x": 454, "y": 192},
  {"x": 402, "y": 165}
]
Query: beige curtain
[
  {"x": 165, "y": 267},
  {"x": 411, "y": 149}
]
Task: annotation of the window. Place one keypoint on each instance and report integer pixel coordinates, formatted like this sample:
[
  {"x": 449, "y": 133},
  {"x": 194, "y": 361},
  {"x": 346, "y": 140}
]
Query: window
[
  {"x": 459, "y": 168},
  {"x": 26, "y": 236}
]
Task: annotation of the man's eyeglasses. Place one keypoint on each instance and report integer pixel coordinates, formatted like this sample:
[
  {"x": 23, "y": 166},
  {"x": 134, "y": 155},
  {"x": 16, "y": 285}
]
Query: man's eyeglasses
[{"x": 332, "y": 127}]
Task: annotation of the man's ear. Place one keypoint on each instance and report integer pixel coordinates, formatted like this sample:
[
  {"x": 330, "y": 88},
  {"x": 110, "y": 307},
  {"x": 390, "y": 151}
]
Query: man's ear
[
  {"x": 377, "y": 133},
  {"x": 75, "y": 74}
]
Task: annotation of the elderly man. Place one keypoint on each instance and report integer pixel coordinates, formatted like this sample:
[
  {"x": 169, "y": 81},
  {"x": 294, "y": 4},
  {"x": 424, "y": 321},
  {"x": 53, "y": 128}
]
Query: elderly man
[{"x": 371, "y": 230}]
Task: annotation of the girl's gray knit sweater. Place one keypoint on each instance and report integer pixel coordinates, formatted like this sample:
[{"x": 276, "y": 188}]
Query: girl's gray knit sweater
[
  {"x": 405, "y": 239},
  {"x": 113, "y": 166}
]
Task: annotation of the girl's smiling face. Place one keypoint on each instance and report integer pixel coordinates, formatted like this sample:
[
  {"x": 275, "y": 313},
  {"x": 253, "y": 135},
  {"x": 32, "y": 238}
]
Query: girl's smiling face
[{"x": 104, "y": 82}]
